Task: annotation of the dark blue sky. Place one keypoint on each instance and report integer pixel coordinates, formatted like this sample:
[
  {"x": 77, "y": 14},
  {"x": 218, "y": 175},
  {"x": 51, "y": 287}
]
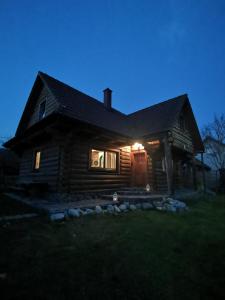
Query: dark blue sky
[{"x": 145, "y": 51}]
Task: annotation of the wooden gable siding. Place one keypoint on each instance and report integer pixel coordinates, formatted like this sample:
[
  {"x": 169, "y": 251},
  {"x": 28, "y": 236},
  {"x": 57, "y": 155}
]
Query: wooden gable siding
[
  {"x": 49, "y": 166},
  {"x": 182, "y": 138},
  {"x": 76, "y": 175},
  {"x": 50, "y": 105}
]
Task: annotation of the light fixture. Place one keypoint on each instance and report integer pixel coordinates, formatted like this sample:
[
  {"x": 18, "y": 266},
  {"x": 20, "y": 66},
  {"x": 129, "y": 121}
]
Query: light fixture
[
  {"x": 115, "y": 197},
  {"x": 137, "y": 146},
  {"x": 148, "y": 188}
]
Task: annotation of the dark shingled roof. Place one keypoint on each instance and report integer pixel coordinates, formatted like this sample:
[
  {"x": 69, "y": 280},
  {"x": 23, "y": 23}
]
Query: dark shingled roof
[
  {"x": 157, "y": 118},
  {"x": 80, "y": 106},
  {"x": 75, "y": 104}
]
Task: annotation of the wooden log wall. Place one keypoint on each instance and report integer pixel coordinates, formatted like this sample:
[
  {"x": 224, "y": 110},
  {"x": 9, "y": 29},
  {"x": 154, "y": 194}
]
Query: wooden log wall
[
  {"x": 150, "y": 171},
  {"x": 76, "y": 175},
  {"x": 49, "y": 166},
  {"x": 156, "y": 174},
  {"x": 182, "y": 138}
]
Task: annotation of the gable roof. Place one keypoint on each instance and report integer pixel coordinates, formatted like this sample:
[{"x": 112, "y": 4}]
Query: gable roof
[
  {"x": 157, "y": 118},
  {"x": 80, "y": 106},
  {"x": 77, "y": 105}
]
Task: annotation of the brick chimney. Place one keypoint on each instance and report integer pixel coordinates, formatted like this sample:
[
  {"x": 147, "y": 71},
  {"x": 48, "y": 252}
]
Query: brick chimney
[{"x": 108, "y": 98}]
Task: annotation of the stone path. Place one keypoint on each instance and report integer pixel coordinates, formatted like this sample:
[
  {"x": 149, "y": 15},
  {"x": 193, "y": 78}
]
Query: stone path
[
  {"x": 18, "y": 217},
  {"x": 55, "y": 206}
]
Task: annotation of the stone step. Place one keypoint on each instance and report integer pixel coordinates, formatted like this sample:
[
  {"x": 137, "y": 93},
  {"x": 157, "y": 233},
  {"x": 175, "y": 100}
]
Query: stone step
[
  {"x": 133, "y": 189},
  {"x": 135, "y": 198},
  {"x": 127, "y": 192}
]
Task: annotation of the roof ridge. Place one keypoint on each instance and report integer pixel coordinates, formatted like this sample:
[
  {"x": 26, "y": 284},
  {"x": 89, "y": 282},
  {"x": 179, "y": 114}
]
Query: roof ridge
[
  {"x": 43, "y": 75},
  {"x": 67, "y": 85},
  {"x": 157, "y": 104}
]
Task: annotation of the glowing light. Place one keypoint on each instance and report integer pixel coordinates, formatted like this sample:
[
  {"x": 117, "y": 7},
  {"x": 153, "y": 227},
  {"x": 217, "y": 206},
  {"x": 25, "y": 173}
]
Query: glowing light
[
  {"x": 137, "y": 146},
  {"x": 148, "y": 188},
  {"x": 115, "y": 197}
]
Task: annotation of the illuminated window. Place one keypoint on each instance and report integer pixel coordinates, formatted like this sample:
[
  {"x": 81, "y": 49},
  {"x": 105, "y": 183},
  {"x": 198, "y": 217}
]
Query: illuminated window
[
  {"x": 110, "y": 160},
  {"x": 101, "y": 159},
  {"x": 42, "y": 110},
  {"x": 37, "y": 160},
  {"x": 97, "y": 159}
]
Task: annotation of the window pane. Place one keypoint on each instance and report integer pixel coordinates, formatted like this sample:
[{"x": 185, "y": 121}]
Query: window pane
[
  {"x": 110, "y": 160},
  {"x": 37, "y": 160},
  {"x": 42, "y": 110},
  {"x": 97, "y": 159}
]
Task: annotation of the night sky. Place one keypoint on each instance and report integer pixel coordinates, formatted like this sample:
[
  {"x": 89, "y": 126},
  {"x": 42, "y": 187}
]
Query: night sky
[{"x": 145, "y": 51}]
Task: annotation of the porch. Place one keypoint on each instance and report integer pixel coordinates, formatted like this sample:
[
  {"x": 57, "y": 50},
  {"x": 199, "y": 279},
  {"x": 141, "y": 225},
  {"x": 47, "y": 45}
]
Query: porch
[
  {"x": 161, "y": 164},
  {"x": 84, "y": 201}
]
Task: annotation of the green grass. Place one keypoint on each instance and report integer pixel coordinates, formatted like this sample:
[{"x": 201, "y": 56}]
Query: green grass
[
  {"x": 138, "y": 255},
  {"x": 10, "y": 207}
]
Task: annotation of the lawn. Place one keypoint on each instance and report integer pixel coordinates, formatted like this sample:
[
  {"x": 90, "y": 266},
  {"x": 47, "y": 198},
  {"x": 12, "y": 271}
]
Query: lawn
[
  {"x": 138, "y": 255},
  {"x": 10, "y": 207}
]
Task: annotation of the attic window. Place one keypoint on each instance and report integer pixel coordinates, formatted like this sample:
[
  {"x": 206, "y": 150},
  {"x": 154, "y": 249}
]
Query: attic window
[
  {"x": 182, "y": 123},
  {"x": 42, "y": 110}
]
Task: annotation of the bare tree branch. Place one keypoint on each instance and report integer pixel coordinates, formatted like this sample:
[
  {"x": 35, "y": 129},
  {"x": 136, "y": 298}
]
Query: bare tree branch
[{"x": 214, "y": 141}]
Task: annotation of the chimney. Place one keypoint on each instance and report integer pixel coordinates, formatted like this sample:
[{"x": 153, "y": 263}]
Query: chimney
[{"x": 108, "y": 98}]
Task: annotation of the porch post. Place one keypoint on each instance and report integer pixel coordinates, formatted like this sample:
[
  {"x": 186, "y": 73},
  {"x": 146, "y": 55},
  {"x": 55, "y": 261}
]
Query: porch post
[
  {"x": 203, "y": 172},
  {"x": 169, "y": 164}
]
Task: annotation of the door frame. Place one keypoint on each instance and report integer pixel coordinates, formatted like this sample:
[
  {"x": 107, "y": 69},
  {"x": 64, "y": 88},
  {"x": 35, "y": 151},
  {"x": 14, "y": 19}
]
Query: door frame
[{"x": 133, "y": 183}]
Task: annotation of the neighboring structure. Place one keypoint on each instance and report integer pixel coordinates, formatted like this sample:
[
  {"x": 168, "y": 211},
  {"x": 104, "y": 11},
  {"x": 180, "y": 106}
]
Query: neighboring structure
[
  {"x": 9, "y": 167},
  {"x": 76, "y": 143},
  {"x": 214, "y": 157}
]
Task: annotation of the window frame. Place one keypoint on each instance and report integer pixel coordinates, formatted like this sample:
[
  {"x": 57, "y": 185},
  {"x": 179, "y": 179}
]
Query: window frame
[
  {"x": 104, "y": 169},
  {"x": 44, "y": 114},
  {"x": 34, "y": 160}
]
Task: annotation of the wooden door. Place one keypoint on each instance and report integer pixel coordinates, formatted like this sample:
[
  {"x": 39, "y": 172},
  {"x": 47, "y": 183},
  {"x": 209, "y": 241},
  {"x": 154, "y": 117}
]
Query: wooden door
[{"x": 139, "y": 168}]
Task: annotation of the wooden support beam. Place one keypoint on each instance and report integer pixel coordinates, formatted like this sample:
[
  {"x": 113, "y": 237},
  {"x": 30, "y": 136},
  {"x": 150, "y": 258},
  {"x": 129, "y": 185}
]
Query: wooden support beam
[{"x": 169, "y": 165}]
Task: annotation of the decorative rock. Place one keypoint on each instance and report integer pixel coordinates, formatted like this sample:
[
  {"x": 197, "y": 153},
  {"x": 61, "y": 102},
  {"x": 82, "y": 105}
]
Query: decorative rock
[
  {"x": 116, "y": 208},
  {"x": 90, "y": 211},
  {"x": 171, "y": 208},
  {"x": 146, "y": 205},
  {"x": 132, "y": 207},
  {"x": 127, "y": 204},
  {"x": 110, "y": 209},
  {"x": 159, "y": 203},
  {"x": 123, "y": 207},
  {"x": 57, "y": 217},
  {"x": 83, "y": 212},
  {"x": 72, "y": 212},
  {"x": 138, "y": 205},
  {"x": 176, "y": 203},
  {"x": 98, "y": 209}
]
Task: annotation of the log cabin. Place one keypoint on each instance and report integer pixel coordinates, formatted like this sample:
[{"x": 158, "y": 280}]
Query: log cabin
[{"x": 75, "y": 143}]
